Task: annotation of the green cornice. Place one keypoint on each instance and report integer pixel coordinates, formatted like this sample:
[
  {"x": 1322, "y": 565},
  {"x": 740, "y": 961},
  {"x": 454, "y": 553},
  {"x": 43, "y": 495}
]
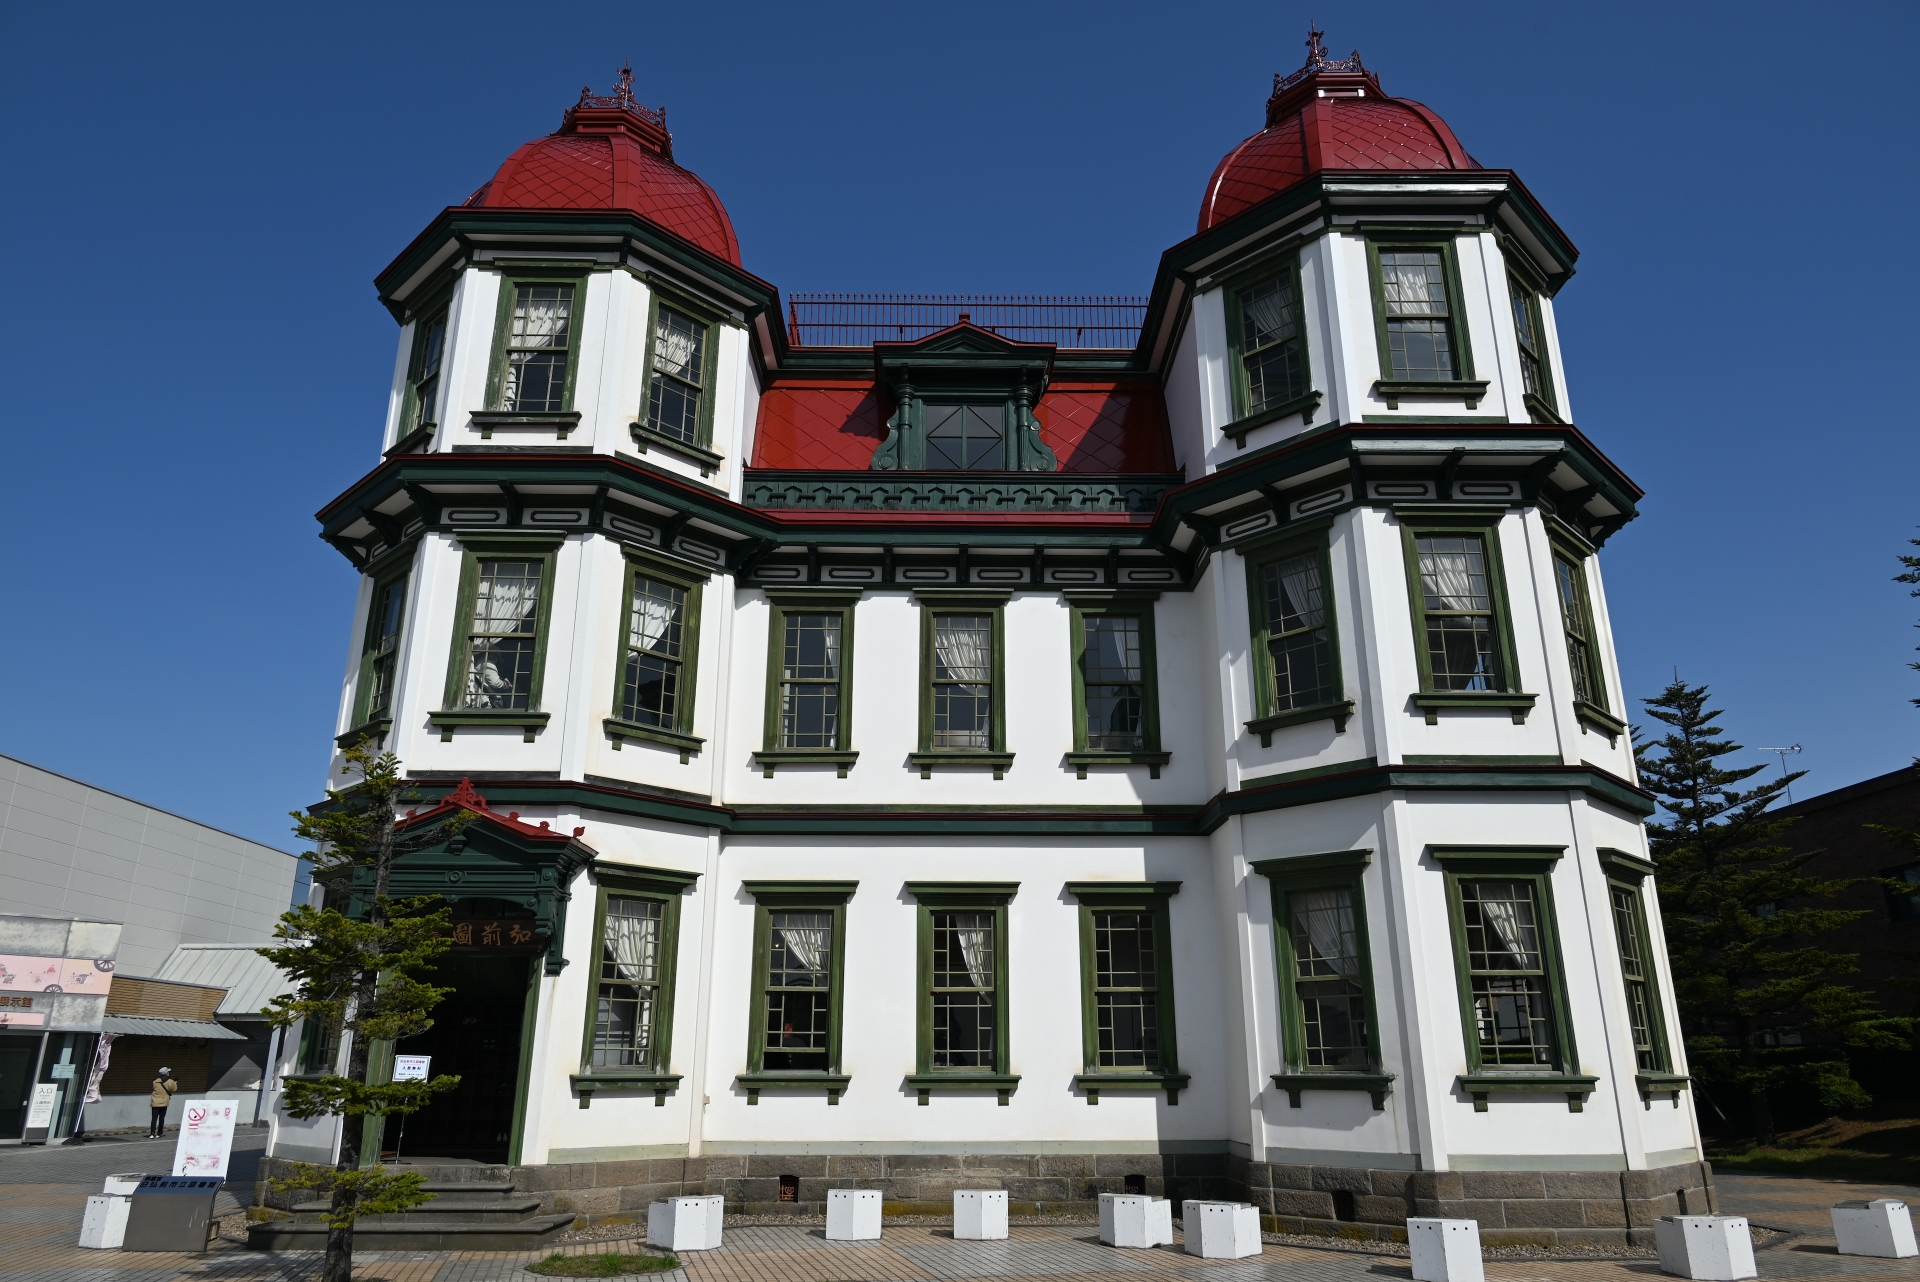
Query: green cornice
[
  {"x": 1364, "y": 779},
  {"x": 1065, "y": 492}
]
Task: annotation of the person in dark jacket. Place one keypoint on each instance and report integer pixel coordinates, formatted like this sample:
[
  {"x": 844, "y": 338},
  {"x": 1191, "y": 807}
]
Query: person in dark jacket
[{"x": 163, "y": 1088}]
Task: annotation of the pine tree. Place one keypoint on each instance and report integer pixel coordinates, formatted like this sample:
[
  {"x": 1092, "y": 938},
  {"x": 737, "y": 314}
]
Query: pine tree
[
  {"x": 357, "y": 980},
  {"x": 1742, "y": 921},
  {"x": 1911, "y": 575}
]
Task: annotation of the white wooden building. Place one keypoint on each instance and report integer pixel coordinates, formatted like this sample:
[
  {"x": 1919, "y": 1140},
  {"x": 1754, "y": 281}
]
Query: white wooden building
[{"x": 1173, "y": 741}]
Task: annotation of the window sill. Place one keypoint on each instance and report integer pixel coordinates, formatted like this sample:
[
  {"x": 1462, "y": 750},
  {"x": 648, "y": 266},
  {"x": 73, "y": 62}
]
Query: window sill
[
  {"x": 1652, "y": 1084},
  {"x": 562, "y": 421},
  {"x": 1481, "y": 1085},
  {"x": 1081, "y": 760},
  {"x": 1468, "y": 389},
  {"x": 1540, "y": 411},
  {"x": 585, "y": 1084},
  {"x": 645, "y": 438},
  {"x": 620, "y": 731},
  {"x": 412, "y": 441},
  {"x": 768, "y": 758},
  {"x": 1432, "y": 701},
  {"x": 926, "y": 761},
  {"x": 1599, "y": 719},
  {"x": 1336, "y": 712},
  {"x": 925, "y": 1084},
  {"x": 1374, "y": 1084},
  {"x": 1305, "y": 406},
  {"x": 448, "y": 720},
  {"x": 1094, "y": 1083},
  {"x": 374, "y": 731},
  {"x": 831, "y": 1083}
]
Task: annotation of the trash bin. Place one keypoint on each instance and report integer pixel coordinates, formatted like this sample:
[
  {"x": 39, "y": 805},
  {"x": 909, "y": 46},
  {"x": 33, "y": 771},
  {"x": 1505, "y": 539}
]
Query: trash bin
[{"x": 171, "y": 1213}]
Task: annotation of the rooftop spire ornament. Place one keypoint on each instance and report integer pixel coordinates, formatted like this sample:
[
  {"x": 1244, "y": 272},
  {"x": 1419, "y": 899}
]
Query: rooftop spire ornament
[{"x": 1317, "y": 60}]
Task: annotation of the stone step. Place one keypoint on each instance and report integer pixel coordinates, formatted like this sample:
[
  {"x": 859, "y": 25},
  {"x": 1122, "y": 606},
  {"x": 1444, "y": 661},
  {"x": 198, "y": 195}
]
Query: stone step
[{"x": 419, "y": 1235}]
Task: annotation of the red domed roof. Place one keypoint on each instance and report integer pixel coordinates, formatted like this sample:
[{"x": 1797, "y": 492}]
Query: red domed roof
[
  {"x": 612, "y": 153},
  {"x": 1330, "y": 114}
]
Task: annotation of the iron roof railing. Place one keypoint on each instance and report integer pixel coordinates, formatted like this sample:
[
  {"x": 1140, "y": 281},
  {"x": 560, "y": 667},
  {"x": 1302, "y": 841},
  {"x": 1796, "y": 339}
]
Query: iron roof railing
[{"x": 860, "y": 320}]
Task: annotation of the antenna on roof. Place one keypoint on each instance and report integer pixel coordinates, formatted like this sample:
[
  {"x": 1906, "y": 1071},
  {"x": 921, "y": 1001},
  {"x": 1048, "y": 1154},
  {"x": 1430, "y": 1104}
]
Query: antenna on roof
[{"x": 1783, "y": 761}]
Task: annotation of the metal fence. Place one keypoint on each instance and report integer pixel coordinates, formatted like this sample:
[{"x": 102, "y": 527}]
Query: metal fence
[{"x": 860, "y": 320}]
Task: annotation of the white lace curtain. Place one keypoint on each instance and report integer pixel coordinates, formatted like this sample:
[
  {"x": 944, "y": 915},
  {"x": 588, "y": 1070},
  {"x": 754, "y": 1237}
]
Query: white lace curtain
[
  {"x": 508, "y": 598},
  {"x": 676, "y": 350},
  {"x": 1269, "y": 314},
  {"x": 633, "y": 948},
  {"x": 973, "y": 936},
  {"x": 1411, "y": 284},
  {"x": 652, "y": 618},
  {"x": 1300, "y": 603},
  {"x": 1510, "y": 917},
  {"x": 807, "y": 940},
  {"x": 964, "y": 648},
  {"x": 1325, "y": 918},
  {"x": 1450, "y": 578}
]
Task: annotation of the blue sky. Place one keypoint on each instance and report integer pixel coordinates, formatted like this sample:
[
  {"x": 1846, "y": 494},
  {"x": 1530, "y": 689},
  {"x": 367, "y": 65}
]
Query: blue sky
[{"x": 198, "y": 198}]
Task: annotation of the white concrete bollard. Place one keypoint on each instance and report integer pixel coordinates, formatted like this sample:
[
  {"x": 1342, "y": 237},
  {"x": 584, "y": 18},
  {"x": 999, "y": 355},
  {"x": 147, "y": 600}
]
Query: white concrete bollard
[
  {"x": 104, "y": 1227},
  {"x": 853, "y": 1215},
  {"x": 1711, "y": 1248},
  {"x": 1882, "y": 1227},
  {"x": 1135, "y": 1222},
  {"x": 686, "y": 1223},
  {"x": 1221, "y": 1230},
  {"x": 1445, "y": 1250},
  {"x": 979, "y": 1215}
]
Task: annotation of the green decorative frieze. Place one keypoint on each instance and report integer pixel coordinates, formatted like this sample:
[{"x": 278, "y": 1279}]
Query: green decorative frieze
[{"x": 946, "y": 492}]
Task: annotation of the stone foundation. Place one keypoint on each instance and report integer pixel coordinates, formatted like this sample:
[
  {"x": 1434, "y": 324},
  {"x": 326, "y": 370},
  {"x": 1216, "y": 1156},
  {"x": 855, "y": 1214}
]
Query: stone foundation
[
  {"x": 1514, "y": 1208},
  {"x": 1541, "y": 1208}
]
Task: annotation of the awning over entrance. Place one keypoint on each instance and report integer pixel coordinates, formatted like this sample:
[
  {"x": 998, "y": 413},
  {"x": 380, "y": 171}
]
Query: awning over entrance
[{"x": 179, "y": 1029}]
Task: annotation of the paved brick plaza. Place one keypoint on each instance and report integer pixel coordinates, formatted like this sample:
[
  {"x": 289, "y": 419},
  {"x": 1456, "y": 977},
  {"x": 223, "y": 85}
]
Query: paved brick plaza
[{"x": 43, "y": 1193}]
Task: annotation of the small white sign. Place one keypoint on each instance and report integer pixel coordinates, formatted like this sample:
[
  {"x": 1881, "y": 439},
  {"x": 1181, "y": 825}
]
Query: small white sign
[
  {"x": 62, "y": 1070},
  {"x": 206, "y": 1137},
  {"x": 411, "y": 1068},
  {"x": 40, "y": 1111}
]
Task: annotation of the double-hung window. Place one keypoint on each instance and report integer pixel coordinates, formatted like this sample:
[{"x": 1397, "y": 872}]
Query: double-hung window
[
  {"x": 1646, "y": 1026},
  {"x": 1295, "y": 647},
  {"x": 683, "y": 351},
  {"x": 1507, "y": 953},
  {"x": 1328, "y": 1030},
  {"x": 799, "y": 956},
  {"x": 380, "y": 658},
  {"x": 1115, "y": 682},
  {"x": 962, "y": 682},
  {"x": 1126, "y": 989},
  {"x": 1583, "y": 651},
  {"x": 1462, "y": 638},
  {"x": 423, "y": 374},
  {"x": 538, "y": 346},
  {"x": 963, "y": 987},
  {"x": 659, "y": 652},
  {"x": 1536, "y": 378},
  {"x": 1267, "y": 342},
  {"x": 809, "y": 680},
  {"x": 629, "y": 1033},
  {"x": 1423, "y": 347},
  {"x": 499, "y": 641}
]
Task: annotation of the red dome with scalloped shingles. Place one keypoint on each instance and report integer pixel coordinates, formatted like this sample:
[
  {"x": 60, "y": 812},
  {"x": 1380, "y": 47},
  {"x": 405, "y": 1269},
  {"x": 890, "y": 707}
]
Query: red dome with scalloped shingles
[
  {"x": 611, "y": 153},
  {"x": 1329, "y": 115}
]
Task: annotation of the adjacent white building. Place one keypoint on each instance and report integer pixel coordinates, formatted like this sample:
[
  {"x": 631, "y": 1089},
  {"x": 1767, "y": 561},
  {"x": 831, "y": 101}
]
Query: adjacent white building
[{"x": 1172, "y": 741}]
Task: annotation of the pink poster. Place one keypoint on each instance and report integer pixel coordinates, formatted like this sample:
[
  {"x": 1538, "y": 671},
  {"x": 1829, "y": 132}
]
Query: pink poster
[
  {"x": 206, "y": 1137},
  {"x": 54, "y": 975}
]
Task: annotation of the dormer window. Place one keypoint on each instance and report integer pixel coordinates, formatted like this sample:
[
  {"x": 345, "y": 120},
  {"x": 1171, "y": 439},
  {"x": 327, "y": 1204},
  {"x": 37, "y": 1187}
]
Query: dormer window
[{"x": 966, "y": 438}]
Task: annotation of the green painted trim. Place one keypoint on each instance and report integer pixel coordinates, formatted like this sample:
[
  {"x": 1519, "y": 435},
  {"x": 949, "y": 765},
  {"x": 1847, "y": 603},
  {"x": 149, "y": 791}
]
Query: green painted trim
[
  {"x": 1309, "y": 539},
  {"x": 1481, "y": 759},
  {"x": 1283, "y": 262},
  {"x": 1624, "y": 866},
  {"x": 945, "y": 896},
  {"x": 447, "y": 721},
  {"x": 645, "y": 439},
  {"x": 709, "y": 367},
  {"x": 1630, "y": 881},
  {"x": 542, "y": 547},
  {"x": 1652, "y": 1084},
  {"x": 644, "y": 564},
  {"x": 1075, "y": 493},
  {"x": 818, "y": 896},
  {"x": 967, "y": 601},
  {"x": 1305, "y": 406},
  {"x": 365, "y": 722},
  {"x": 1414, "y": 523},
  {"x": 1498, "y": 859},
  {"x": 374, "y": 730},
  {"x": 1298, "y": 872},
  {"x": 1338, "y": 713},
  {"x": 1519, "y": 705},
  {"x": 834, "y": 1084},
  {"x": 683, "y": 574},
  {"x": 1599, "y": 719},
  {"x": 781, "y": 604},
  {"x": 1471, "y": 390},
  {"x": 800, "y": 894},
  {"x": 925, "y": 762},
  {"x": 1437, "y": 420},
  {"x": 1082, "y": 606},
  {"x": 1311, "y": 772},
  {"x": 619, "y": 731},
  {"x": 664, "y": 886},
  {"x": 1524, "y": 288},
  {"x": 1377, "y": 1086},
  {"x": 1481, "y": 1085},
  {"x": 586, "y": 1085},
  {"x": 523, "y": 1080},
  {"x": 1147, "y": 898},
  {"x": 1422, "y": 238},
  {"x": 511, "y": 279}
]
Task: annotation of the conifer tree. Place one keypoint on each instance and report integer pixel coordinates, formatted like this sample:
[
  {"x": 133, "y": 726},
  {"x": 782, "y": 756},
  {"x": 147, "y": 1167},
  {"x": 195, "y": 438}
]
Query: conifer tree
[
  {"x": 1742, "y": 920},
  {"x": 358, "y": 981},
  {"x": 1911, "y": 575}
]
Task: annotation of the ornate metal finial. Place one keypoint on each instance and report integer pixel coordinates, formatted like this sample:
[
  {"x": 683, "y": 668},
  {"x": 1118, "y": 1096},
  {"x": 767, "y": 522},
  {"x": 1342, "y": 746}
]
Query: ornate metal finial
[
  {"x": 622, "y": 98},
  {"x": 1317, "y": 60}
]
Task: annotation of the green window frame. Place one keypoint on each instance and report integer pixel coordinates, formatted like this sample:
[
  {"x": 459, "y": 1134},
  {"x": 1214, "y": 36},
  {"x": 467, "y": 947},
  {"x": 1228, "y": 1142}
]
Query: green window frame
[
  {"x": 627, "y": 1042},
  {"x": 497, "y": 665},
  {"x": 1457, "y": 591},
  {"x": 961, "y": 1020},
  {"x": 1116, "y": 681},
  {"x": 1268, "y": 369},
  {"x": 1514, "y": 1012},
  {"x": 536, "y": 345},
  {"x": 1530, "y": 337},
  {"x": 681, "y": 374},
  {"x": 961, "y": 724},
  {"x": 967, "y": 436},
  {"x": 1129, "y": 1039},
  {"x": 656, "y": 678},
  {"x": 809, "y": 716},
  {"x": 379, "y": 660},
  {"x": 1420, "y": 320},
  {"x": 1573, "y": 591},
  {"x": 1291, "y": 603},
  {"x": 1626, "y": 878},
  {"x": 421, "y": 411},
  {"x": 797, "y": 982},
  {"x": 1329, "y": 1022}
]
